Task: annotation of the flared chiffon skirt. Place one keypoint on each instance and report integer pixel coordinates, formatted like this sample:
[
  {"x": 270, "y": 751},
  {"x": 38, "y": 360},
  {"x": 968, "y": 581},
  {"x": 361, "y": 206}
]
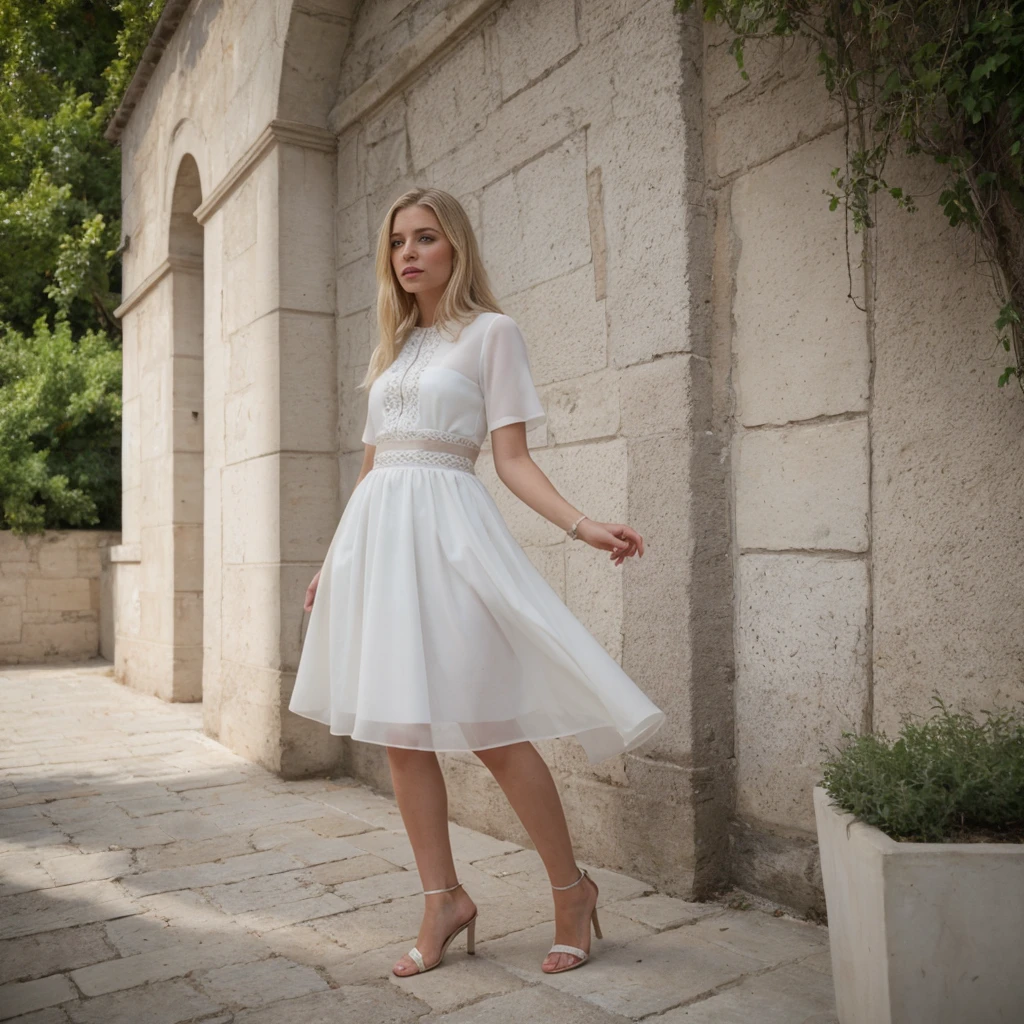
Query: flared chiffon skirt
[{"x": 431, "y": 629}]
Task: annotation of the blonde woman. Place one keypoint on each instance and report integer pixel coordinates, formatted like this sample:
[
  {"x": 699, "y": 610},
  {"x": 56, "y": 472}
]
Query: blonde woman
[{"x": 429, "y": 628}]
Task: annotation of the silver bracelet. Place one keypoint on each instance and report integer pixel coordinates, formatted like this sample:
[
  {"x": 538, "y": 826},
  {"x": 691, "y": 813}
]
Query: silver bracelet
[{"x": 571, "y": 532}]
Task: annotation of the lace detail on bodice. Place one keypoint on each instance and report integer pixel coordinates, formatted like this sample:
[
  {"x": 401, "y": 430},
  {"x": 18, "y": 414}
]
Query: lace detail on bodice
[
  {"x": 402, "y": 380},
  {"x": 401, "y": 409},
  {"x": 418, "y": 457}
]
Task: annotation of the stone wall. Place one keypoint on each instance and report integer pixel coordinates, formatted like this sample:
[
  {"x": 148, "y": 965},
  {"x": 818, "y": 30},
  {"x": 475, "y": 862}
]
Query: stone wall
[
  {"x": 817, "y": 457},
  {"x": 875, "y": 499},
  {"x": 54, "y": 601},
  {"x": 230, "y": 443},
  {"x": 570, "y": 133}
]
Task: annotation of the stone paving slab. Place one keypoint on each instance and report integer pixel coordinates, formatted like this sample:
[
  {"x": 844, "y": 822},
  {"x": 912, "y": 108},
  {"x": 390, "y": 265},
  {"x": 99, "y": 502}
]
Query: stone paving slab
[
  {"x": 55, "y": 1015},
  {"x": 149, "y": 875},
  {"x": 469, "y": 980},
  {"x": 62, "y": 907},
  {"x": 245, "y": 985},
  {"x": 653, "y": 974},
  {"x": 36, "y": 956},
  {"x": 534, "y": 1004},
  {"x": 379, "y": 1004},
  {"x": 790, "y": 994},
  {"x": 167, "y": 1002},
  {"x": 26, "y": 996},
  {"x": 172, "y": 961}
]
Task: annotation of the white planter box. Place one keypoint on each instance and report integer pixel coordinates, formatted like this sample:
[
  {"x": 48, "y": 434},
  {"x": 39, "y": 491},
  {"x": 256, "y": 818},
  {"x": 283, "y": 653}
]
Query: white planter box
[{"x": 921, "y": 933}]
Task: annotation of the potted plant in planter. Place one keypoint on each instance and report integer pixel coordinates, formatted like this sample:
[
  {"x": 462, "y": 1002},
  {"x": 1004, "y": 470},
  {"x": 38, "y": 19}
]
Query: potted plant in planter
[{"x": 922, "y": 859}]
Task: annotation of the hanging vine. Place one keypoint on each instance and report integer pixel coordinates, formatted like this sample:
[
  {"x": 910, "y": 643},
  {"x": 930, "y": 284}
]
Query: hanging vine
[{"x": 946, "y": 76}]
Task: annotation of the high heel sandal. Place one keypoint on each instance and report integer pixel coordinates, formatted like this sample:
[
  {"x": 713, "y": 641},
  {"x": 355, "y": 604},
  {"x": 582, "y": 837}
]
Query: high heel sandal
[
  {"x": 560, "y": 947},
  {"x": 468, "y": 926}
]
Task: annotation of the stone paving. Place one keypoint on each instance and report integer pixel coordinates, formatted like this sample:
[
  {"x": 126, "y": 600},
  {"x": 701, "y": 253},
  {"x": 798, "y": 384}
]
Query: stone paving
[{"x": 150, "y": 876}]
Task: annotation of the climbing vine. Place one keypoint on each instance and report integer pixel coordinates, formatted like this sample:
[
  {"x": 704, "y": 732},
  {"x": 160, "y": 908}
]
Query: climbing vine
[{"x": 945, "y": 76}]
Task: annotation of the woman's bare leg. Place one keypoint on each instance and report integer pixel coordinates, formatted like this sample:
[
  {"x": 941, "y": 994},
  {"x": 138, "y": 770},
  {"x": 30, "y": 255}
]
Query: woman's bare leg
[
  {"x": 423, "y": 803},
  {"x": 526, "y": 780}
]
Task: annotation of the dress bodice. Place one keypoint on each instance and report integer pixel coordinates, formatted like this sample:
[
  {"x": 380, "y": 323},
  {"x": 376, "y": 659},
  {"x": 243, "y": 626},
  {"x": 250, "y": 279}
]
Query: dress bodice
[{"x": 454, "y": 392}]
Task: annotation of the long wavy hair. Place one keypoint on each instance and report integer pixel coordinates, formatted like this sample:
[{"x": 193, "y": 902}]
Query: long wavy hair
[{"x": 467, "y": 293}]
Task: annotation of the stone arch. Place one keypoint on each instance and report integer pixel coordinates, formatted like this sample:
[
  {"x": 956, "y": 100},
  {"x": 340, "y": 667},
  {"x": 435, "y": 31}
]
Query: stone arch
[
  {"x": 185, "y": 233},
  {"x": 187, "y": 142}
]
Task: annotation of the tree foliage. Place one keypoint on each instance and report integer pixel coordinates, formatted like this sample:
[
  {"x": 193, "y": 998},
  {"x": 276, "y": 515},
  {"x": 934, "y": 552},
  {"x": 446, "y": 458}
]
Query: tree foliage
[
  {"x": 64, "y": 66},
  {"x": 945, "y": 77},
  {"x": 60, "y": 421}
]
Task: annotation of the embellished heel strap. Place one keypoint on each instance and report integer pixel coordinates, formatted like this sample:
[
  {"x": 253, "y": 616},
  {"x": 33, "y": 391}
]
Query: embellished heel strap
[
  {"x": 430, "y": 892},
  {"x": 583, "y": 874}
]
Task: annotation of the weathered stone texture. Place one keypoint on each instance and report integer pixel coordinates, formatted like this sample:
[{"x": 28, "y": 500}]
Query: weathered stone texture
[
  {"x": 261, "y": 939},
  {"x": 815, "y": 456},
  {"x": 50, "y": 594},
  {"x": 791, "y": 277},
  {"x": 803, "y": 487},
  {"x": 803, "y": 663},
  {"x": 852, "y": 376},
  {"x": 946, "y": 500}
]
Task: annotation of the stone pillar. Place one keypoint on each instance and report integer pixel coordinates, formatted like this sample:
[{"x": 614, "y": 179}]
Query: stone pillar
[
  {"x": 184, "y": 532},
  {"x": 800, "y": 376},
  {"x": 278, "y": 494}
]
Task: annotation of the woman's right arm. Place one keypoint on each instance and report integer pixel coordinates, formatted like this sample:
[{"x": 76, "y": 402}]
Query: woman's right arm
[
  {"x": 368, "y": 453},
  {"x": 369, "y": 450}
]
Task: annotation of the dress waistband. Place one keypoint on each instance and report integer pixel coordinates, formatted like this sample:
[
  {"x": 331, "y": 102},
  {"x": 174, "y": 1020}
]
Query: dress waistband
[
  {"x": 425, "y": 451},
  {"x": 429, "y": 444}
]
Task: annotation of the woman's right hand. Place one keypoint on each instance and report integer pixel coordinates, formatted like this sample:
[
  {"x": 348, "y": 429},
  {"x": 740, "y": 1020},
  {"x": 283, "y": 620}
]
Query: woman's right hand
[{"x": 311, "y": 593}]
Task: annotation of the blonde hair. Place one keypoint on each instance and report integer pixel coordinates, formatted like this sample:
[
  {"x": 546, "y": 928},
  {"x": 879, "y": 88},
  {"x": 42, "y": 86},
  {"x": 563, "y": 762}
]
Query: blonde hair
[{"x": 467, "y": 293}]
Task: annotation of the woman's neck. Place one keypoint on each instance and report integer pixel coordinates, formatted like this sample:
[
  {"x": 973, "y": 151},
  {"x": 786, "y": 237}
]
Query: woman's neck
[{"x": 427, "y": 307}]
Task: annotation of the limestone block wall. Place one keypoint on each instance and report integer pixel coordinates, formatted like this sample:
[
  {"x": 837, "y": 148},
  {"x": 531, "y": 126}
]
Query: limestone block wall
[
  {"x": 821, "y": 466},
  {"x": 51, "y": 596},
  {"x": 947, "y": 496},
  {"x": 278, "y": 482},
  {"x": 570, "y": 134},
  {"x": 229, "y": 71},
  {"x": 230, "y": 450},
  {"x": 873, "y": 502}
]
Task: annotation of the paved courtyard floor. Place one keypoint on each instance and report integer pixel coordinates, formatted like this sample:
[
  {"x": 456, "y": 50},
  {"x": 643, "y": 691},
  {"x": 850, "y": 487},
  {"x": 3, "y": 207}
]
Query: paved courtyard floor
[{"x": 150, "y": 876}]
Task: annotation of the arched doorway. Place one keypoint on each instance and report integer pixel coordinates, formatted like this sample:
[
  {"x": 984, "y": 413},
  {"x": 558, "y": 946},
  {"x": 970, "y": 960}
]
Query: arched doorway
[{"x": 185, "y": 424}]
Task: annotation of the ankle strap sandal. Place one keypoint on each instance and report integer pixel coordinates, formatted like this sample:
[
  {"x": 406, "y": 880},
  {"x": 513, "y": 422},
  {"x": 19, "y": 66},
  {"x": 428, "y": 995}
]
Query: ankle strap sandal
[
  {"x": 469, "y": 927},
  {"x": 560, "y": 947}
]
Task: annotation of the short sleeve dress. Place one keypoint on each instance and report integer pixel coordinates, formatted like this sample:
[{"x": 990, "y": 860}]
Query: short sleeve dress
[{"x": 431, "y": 628}]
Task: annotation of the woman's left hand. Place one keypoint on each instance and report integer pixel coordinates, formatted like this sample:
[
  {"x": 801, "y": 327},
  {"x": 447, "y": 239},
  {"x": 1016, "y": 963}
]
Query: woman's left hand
[{"x": 621, "y": 540}]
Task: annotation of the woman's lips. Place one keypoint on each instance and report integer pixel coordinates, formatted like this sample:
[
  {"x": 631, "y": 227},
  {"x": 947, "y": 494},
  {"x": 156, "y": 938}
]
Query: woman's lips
[{"x": 411, "y": 273}]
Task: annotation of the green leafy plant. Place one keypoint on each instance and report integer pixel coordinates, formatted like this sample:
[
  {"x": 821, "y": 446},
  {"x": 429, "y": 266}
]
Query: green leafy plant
[
  {"x": 947, "y": 778},
  {"x": 946, "y": 78},
  {"x": 64, "y": 65},
  {"x": 60, "y": 430}
]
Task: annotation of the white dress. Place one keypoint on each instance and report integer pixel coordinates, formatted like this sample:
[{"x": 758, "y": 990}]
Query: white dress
[{"x": 431, "y": 628}]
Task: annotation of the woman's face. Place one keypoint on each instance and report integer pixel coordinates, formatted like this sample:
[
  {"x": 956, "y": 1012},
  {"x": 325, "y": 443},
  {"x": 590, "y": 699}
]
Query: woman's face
[{"x": 420, "y": 252}]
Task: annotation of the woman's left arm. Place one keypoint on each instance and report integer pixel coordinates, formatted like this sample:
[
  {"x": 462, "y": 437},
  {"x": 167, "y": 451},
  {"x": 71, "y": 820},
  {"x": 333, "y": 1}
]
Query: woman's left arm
[{"x": 528, "y": 482}]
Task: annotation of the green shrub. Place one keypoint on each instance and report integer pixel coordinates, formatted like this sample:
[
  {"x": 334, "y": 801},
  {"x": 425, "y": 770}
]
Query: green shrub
[
  {"x": 945, "y": 779},
  {"x": 60, "y": 430}
]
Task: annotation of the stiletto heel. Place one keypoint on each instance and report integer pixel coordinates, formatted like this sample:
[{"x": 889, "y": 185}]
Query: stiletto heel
[
  {"x": 560, "y": 947},
  {"x": 469, "y": 927}
]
